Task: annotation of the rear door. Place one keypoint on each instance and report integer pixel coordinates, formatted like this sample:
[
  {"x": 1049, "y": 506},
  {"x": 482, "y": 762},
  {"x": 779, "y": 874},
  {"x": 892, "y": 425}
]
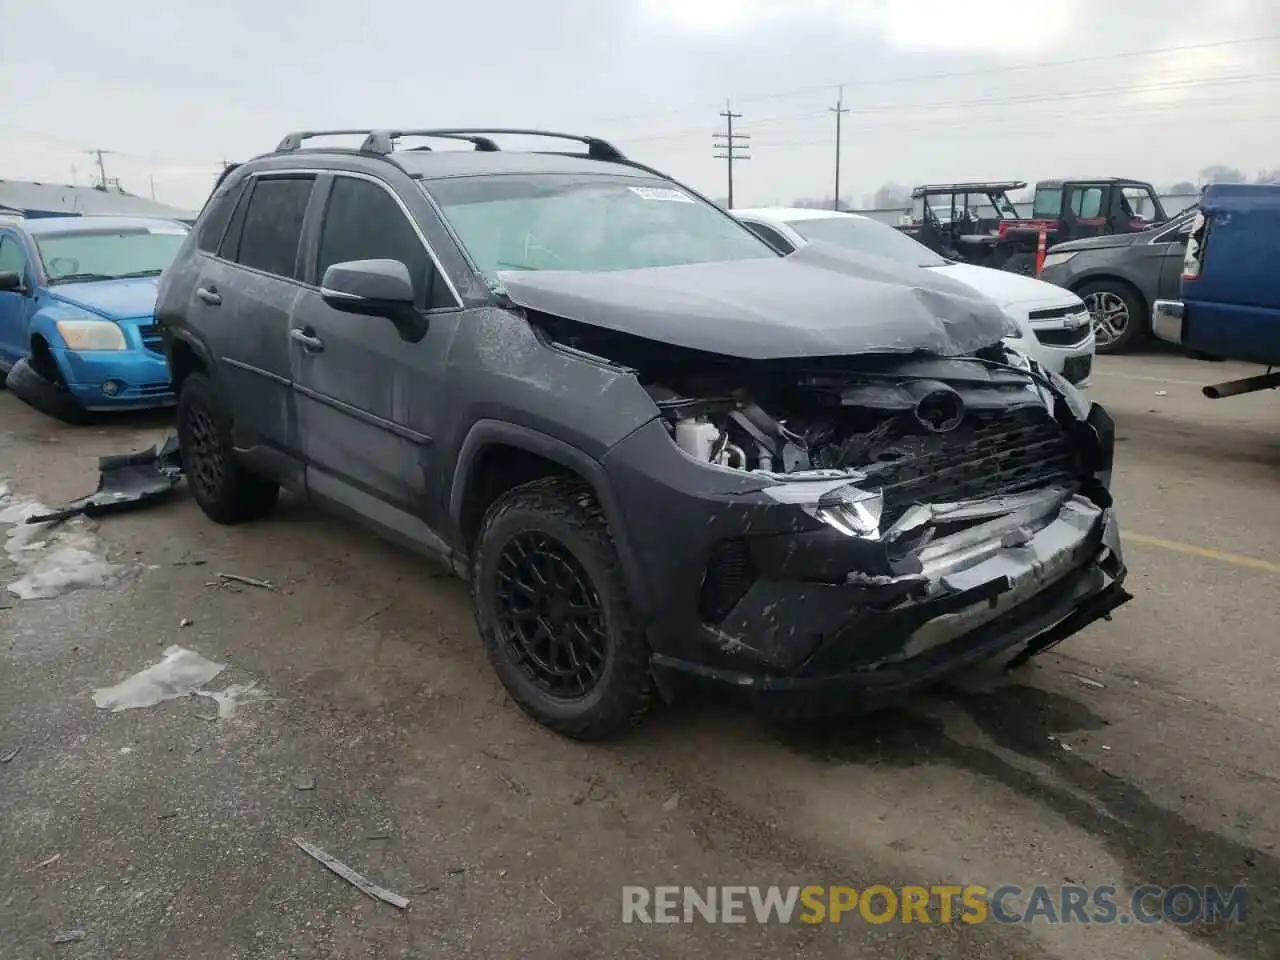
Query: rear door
[
  {"x": 15, "y": 306},
  {"x": 242, "y": 304},
  {"x": 1171, "y": 245},
  {"x": 368, "y": 401}
]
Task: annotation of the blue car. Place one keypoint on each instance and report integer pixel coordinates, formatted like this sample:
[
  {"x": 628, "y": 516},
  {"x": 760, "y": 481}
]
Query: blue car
[{"x": 77, "y": 311}]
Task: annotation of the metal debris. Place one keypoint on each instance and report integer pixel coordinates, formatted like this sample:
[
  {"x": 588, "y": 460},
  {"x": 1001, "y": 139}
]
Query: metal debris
[
  {"x": 69, "y": 936},
  {"x": 1162, "y": 393},
  {"x": 1089, "y": 682},
  {"x": 125, "y": 481},
  {"x": 184, "y": 622},
  {"x": 48, "y": 863},
  {"x": 247, "y": 581},
  {"x": 10, "y": 755},
  {"x": 304, "y": 783},
  {"x": 349, "y": 875}
]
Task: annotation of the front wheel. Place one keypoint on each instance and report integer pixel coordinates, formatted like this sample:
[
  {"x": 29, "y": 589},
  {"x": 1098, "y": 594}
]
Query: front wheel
[
  {"x": 552, "y": 607},
  {"x": 226, "y": 491},
  {"x": 1119, "y": 317}
]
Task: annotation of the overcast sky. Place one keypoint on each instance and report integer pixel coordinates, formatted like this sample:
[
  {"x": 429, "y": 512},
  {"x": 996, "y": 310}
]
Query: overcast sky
[{"x": 937, "y": 89}]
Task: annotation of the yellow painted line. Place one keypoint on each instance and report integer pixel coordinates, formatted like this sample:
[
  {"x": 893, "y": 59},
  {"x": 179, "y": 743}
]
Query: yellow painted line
[{"x": 1253, "y": 563}]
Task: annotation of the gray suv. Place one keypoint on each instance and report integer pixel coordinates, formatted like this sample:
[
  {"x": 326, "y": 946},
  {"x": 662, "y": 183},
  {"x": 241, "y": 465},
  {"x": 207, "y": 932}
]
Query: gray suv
[{"x": 660, "y": 451}]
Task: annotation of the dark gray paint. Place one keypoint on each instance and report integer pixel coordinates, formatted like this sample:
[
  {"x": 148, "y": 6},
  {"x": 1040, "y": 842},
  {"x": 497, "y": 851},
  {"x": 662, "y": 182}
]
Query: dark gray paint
[{"x": 822, "y": 301}]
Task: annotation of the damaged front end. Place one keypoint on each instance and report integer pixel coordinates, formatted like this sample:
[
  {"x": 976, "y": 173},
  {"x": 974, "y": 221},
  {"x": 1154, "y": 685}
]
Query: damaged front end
[{"x": 874, "y": 522}]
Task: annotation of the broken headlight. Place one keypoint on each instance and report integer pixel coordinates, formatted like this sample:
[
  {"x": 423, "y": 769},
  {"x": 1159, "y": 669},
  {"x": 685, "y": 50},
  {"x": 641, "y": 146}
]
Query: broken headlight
[{"x": 839, "y": 504}]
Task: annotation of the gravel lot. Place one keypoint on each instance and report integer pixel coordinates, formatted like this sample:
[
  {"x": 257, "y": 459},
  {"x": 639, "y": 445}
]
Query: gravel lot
[{"x": 384, "y": 739}]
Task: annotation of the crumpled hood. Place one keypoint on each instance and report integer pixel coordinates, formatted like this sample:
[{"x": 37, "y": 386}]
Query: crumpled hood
[
  {"x": 113, "y": 299},
  {"x": 820, "y": 301}
]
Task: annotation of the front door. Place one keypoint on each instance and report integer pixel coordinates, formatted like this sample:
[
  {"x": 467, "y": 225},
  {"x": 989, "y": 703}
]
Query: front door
[
  {"x": 15, "y": 305},
  {"x": 368, "y": 400}
]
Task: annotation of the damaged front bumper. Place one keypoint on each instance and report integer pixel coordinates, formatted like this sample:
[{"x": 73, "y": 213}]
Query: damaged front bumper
[
  {"x": 1020, "y": 581},
  {"x": 753, "y": 584}
]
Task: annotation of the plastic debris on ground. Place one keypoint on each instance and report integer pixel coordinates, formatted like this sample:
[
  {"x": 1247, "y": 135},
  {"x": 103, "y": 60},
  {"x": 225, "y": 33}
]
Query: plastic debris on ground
[
  {"x": 232, "y": 697},
  {"x": 125, "y": 481}
]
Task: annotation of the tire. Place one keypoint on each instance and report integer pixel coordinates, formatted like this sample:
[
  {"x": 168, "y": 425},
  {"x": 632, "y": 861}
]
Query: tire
[
  {"x": 47, "y": 395},
  {"x": 1112, "y": 297},
  {"x": 226, "y": 491},
  {"x": 562, "y": 515}
]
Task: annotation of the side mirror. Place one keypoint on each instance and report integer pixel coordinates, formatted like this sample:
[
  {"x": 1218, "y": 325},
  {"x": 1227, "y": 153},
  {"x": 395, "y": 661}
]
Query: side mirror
[
  {"x": 11, "y": 281},
  {"x": 375, "y": 288}
]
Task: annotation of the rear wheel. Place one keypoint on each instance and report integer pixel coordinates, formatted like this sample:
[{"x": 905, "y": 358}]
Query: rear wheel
[
  {"x": 552, "y": 607},
  {"x": 226, "y": 491},
  {"x": 1119, "y": 316}
]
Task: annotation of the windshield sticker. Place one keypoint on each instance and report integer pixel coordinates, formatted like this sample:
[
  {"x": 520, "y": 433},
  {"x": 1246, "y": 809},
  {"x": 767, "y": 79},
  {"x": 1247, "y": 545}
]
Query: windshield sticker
[{"x": 661, "y": 193}]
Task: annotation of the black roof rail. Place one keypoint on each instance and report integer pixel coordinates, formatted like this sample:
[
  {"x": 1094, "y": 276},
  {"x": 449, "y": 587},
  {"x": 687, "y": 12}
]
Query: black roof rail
[
  {"x": 293, "y": 141},
  {"x": 382, "y": 141}
]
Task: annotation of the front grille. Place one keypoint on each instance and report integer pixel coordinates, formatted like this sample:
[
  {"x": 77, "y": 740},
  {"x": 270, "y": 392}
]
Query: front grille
[
  {"x": 730, "y": 574},
  {"x": 1054, "y": 313},
  {"x": 1063, "y": 338},
  {"x": 151, "y": 339},
  {"x": 989, "y": 455}
]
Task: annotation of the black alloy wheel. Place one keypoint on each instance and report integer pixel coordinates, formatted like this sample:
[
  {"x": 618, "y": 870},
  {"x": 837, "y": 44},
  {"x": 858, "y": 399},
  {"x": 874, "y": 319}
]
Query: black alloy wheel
[{"x": 550, "y": 616}]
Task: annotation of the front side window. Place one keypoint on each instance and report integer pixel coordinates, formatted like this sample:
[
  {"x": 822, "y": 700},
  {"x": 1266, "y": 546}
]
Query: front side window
[
  {"x": 363, "y": 222},
  {"x": 113, "y": 254},
  {"x": 273, "y": 224},
  {"x": 591, "y": 223},
  {"x": 12, "y": 259},
  {"x": 868, "y": 236}
]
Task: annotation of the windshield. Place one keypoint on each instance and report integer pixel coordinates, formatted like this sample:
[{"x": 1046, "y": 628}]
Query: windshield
[
  {"x": 868, "y": 236},
  {"x": 589, "y": 223},
  {"x": 109, "y": 254},
  {"x": 1003, "y": 206}
]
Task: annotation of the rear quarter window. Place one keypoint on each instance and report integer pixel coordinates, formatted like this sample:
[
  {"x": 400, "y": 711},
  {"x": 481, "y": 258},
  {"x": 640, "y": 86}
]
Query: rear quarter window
[{"x": 217, "y": 214}]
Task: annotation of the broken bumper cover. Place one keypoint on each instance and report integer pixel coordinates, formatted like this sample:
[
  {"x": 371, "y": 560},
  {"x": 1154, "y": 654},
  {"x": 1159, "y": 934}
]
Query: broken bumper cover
[
  {"x": 809, "y": 609},
  {"x": 1030, "y": 597}
]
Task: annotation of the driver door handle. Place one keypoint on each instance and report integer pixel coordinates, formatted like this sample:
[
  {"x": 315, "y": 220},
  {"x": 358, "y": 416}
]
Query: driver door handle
[
  {"x": 209, "y": 295},
  {"x": 310, "y": 342}
]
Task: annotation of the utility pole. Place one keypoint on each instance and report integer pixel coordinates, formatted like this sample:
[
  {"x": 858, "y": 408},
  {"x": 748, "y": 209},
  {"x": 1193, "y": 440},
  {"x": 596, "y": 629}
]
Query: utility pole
[
  {"x": 102, "y": 168},
  {"x": 839, "y": 110},
  {"x": 729, "y": 144},
  {"x": 153, "y": 186}
]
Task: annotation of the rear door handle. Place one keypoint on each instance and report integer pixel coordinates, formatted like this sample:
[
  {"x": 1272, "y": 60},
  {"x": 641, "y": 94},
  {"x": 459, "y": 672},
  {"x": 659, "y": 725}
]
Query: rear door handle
[
  {"x": 310, "y": 342},
  {"x": 209, "y": 295}
]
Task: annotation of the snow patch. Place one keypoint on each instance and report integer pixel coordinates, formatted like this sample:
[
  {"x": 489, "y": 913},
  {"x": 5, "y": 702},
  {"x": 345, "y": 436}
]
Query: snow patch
[
  {"x": 51, "y": 558},
  {"x": 177, "y": 675}
]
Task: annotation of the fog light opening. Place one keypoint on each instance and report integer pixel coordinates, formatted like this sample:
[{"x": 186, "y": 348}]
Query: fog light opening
[{"x": 113, "y": 388}]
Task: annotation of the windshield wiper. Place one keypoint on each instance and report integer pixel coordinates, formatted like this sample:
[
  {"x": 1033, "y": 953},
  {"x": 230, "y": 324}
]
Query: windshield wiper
[
  {"x": 138, "y": 273},
  {"x": 81, "y": 276}
]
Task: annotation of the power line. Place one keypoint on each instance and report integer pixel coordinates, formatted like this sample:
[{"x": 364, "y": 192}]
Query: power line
[
  {"x": 997, "y": 101},
  {"x": 839, "y": 110},
  {"x": 954, "y": 74},
  {"x": 729, "y": 143}
]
